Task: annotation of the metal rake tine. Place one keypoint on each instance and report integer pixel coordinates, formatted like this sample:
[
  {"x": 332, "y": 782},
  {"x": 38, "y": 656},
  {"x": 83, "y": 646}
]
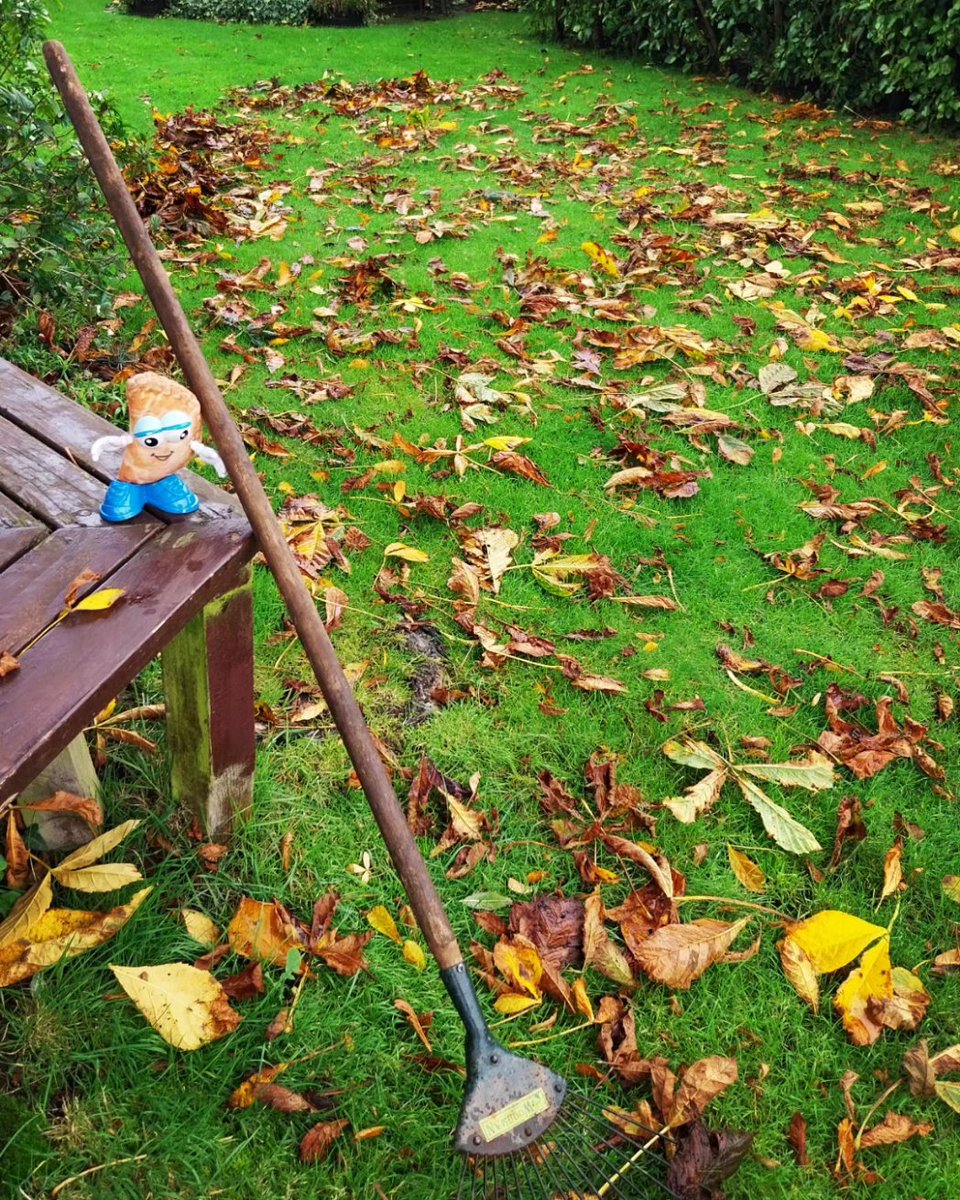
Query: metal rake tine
[
  {"x": 579, "y": 1172},
  {"x": 547, "y": 1158},
  {"x": 518, "y": 1182},
  {"x": 641, "y": 1150}
]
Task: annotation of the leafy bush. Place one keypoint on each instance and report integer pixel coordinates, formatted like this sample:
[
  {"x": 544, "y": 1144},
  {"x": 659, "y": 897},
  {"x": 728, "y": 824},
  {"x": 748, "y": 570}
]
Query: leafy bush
[
  {"x": 260, "y": 12},
  {"x": 896, "y": 56},
  {"x": 58, "y": 246}
]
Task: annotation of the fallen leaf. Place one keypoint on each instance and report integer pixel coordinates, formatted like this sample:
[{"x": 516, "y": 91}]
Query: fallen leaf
[
  {"x": 187, "y": 1007},
  {"x": 699, "y": 1084},
  {"x": 318, "y": 1141},
  {"x": 61, "y": 933},
  {"x": 200, "y": 927},
  {"x": 865, "y": 990},
  {"x": 17, "y": 855},
  {"x": 413, "y": 954},
  {"x": 97, "y": 847},
  {"x": 831, "y": 939},
  {"x": 99, "y": 601},
  {"x": 747, "y": 871},
  {"x": 384, "y": 923},
  {"x": 893, "y": 1129},
  {"x": 264, "y": 931},
  {"x": 106, "y": 877},
  {"x": 677, "y": 955},
  {"x": 801, "y": 972},
  {"x": 85, "y": 807},
  {"x": 27, "y": 911}
]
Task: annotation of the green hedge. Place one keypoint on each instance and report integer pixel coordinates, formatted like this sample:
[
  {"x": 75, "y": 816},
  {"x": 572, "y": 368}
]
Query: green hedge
[
  {"x": 259, "y": 12},
  {"x": 895, "y": 56}
]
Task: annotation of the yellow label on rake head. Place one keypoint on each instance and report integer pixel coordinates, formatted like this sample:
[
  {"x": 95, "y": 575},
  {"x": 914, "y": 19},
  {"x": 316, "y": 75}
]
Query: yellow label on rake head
[{"x": 506, "y": 1119}]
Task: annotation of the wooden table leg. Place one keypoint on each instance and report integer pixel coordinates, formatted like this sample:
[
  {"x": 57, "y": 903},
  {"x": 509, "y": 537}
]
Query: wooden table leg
[
  {"x": 208, "y": 680},
  {"x": 71, "y": 771}
]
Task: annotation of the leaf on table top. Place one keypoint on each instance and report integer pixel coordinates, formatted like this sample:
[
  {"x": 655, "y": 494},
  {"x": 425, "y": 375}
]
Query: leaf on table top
[
  {"x": 747, "y": 871},
  {"x": 677, "y": 955},
  {"x": 97, "y": 847},
  {"x": 318, "y": 1141},
  {"x": 264, "y": 931},
  {"x": 831, "y": 938},
  {"x": 785, "y": 830},
  {"x": 85, "y": 579},
  {"x": 99, "y": 601},
  {"x": 106, "y": 877},
  {"x": 61, "y": 933},
  {"x": 187, "y": 1007},
  {"x": 27, "y": 911},
  {"x": 8, "y": 664}
]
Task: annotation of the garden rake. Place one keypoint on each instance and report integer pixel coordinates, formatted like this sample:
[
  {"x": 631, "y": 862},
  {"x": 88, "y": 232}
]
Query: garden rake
[{"x": 520, "y": 1130}]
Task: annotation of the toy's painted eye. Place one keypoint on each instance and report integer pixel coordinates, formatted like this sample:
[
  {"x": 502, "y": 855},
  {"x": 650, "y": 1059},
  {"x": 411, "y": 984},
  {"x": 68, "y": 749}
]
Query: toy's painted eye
[
  {"x": 151, "y": 442},
  {"x": 184, "y": 434}
]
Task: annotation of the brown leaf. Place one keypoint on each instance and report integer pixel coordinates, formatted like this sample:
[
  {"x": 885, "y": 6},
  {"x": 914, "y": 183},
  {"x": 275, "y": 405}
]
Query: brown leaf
[
  {"x": 658, "y": 870},
  {"x": 919, "y": 1071},
  {"x": 8, "y": 663},
  {"x": 84, "y": 580},
  {"x": 282, "y": 1023},
  {"x": 264, "y": 931},
  {"x": 617, "y": 1040},
  {"x": 797, "y": 1137},
  {"x": 893, "y": 1129},
  {"x": 281, "y": 1099},
  {"x": 676, "y": 955},
  {"x": 318, "y": 1141},
  {"x": 704, "y": 1159},
  {"x": 85, "y": 807},
  {"x": 246, "y": 983},
  {"x": 801, "y": 972},
  {"x": 17, "y": 856},
  {"x": 892, "y": 871},
  {"x": 554, "y": 925},
  {"x": 701, "y": 1083},
  {"x": 850, "y": 827},
  {"x": 747, "y": 871},
  {"x": 419, "y": 1022},
  {"x": 519, "y": 464},
  {"x": 599, "y": 952},
  {"x": 939, "y": 614}
]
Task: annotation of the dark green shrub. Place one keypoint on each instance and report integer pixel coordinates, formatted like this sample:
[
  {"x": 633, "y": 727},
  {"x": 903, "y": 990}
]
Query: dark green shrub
[
  {"x": 896, "y": 56},
  {"x": 261, "y": 12},
  {"x": 58, "y": 246}
]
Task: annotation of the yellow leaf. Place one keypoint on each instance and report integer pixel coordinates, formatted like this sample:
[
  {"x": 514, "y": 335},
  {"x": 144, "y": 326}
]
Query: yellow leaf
[
  {"x": 414, "y": 954},
  {"x": 263, "y": 931},
  {"x": 407, "y": 553},
  {"x": 831, "y": 939},
  {"x": 505, "y": 443},
  {"x": 747, "y": 871},
  {"x": 947, "y": 1089},
  {"x": 892, "y": 872},
  {"x": 200, "y": 927},
  {"x": 581, "y": 1000},
  {"x": 800, "y": 971},
  {"x": 864, "y": 987},
  {"x": 27, "y": 911},
  {"x": 62, "y": 933},
  {"x": 510, "y": 1003},
  {"x": 98, "y": 601},
  {"x": 954, "y": 233},
  {"x": 106, "y": 877},
  {"x": 951, "y": 887},
  {"x": 603, "y": 258},
  {"x": 383, "y": 923},
  {"x": 520, "y": 966},
  {"x": 186, "y": 1006},
  {"x": 817, "y": 339},
  {"x": 97, "y": 847}
]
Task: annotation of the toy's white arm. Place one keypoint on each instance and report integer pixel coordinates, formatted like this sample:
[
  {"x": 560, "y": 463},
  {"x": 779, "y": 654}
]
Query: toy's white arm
[
  {"x": 208, "y": 455},
  {"x": 113, "y": 441}
]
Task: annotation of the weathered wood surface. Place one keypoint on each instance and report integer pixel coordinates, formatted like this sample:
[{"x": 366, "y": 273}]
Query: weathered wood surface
[
  {"x": 86, "y": 660},
  {"x": 14, "y": 542},
  {"x": 210, "y": 698},
  {"x": 33, "y": 589},
  {"x": 45, "y": 482}
]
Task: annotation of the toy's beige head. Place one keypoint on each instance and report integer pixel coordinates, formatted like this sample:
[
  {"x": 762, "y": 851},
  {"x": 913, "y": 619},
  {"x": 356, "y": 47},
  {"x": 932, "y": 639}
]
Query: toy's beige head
[{"x": 164, "y": 420}]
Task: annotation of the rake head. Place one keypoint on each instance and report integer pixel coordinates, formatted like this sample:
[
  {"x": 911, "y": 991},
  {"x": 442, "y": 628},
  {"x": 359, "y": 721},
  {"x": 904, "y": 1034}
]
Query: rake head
[{"x": 525, "y": 1137}]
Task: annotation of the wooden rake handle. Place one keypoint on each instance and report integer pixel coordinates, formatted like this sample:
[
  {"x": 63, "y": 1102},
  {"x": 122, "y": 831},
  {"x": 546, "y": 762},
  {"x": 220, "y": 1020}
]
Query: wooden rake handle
[{"x": 333, "y": 683}]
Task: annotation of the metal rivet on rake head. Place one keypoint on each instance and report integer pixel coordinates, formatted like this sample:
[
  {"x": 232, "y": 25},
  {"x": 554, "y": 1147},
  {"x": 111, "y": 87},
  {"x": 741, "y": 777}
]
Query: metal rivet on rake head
[
  {"x": 477, "y": 1139},
  {"x": 494, "y": 1058},
  {"x": 528, "y": 1132},
  {"x": 558, "y": 1086}
]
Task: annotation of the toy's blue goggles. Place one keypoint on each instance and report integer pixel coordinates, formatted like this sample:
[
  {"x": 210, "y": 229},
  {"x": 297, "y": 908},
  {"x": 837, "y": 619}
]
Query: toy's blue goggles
[
  {"x": 177, "y": 429},
  {"x": 149, "y": 432}
]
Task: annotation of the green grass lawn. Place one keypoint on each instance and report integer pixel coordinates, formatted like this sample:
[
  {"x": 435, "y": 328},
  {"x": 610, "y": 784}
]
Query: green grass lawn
[{"x": 750, "y": 234}]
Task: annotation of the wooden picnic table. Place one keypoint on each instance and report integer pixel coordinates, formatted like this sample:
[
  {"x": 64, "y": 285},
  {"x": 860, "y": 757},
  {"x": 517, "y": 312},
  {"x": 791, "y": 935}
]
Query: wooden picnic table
[{"x": 187, "y": 596}]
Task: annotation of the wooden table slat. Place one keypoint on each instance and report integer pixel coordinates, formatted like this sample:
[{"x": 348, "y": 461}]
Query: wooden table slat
[
  {"x": 14, "y": 543},
  {"x": 13, "y": 516},
  {"x": 55, "y": 489},
  {"x": 32, "y": 590},
  {"x": 85, "y": 661},
  {"x": 60, "y": 421}
]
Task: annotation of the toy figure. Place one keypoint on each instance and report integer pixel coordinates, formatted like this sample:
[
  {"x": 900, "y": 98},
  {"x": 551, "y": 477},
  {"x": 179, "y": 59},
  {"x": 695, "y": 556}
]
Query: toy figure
[{"x": 165, "y": 431}]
